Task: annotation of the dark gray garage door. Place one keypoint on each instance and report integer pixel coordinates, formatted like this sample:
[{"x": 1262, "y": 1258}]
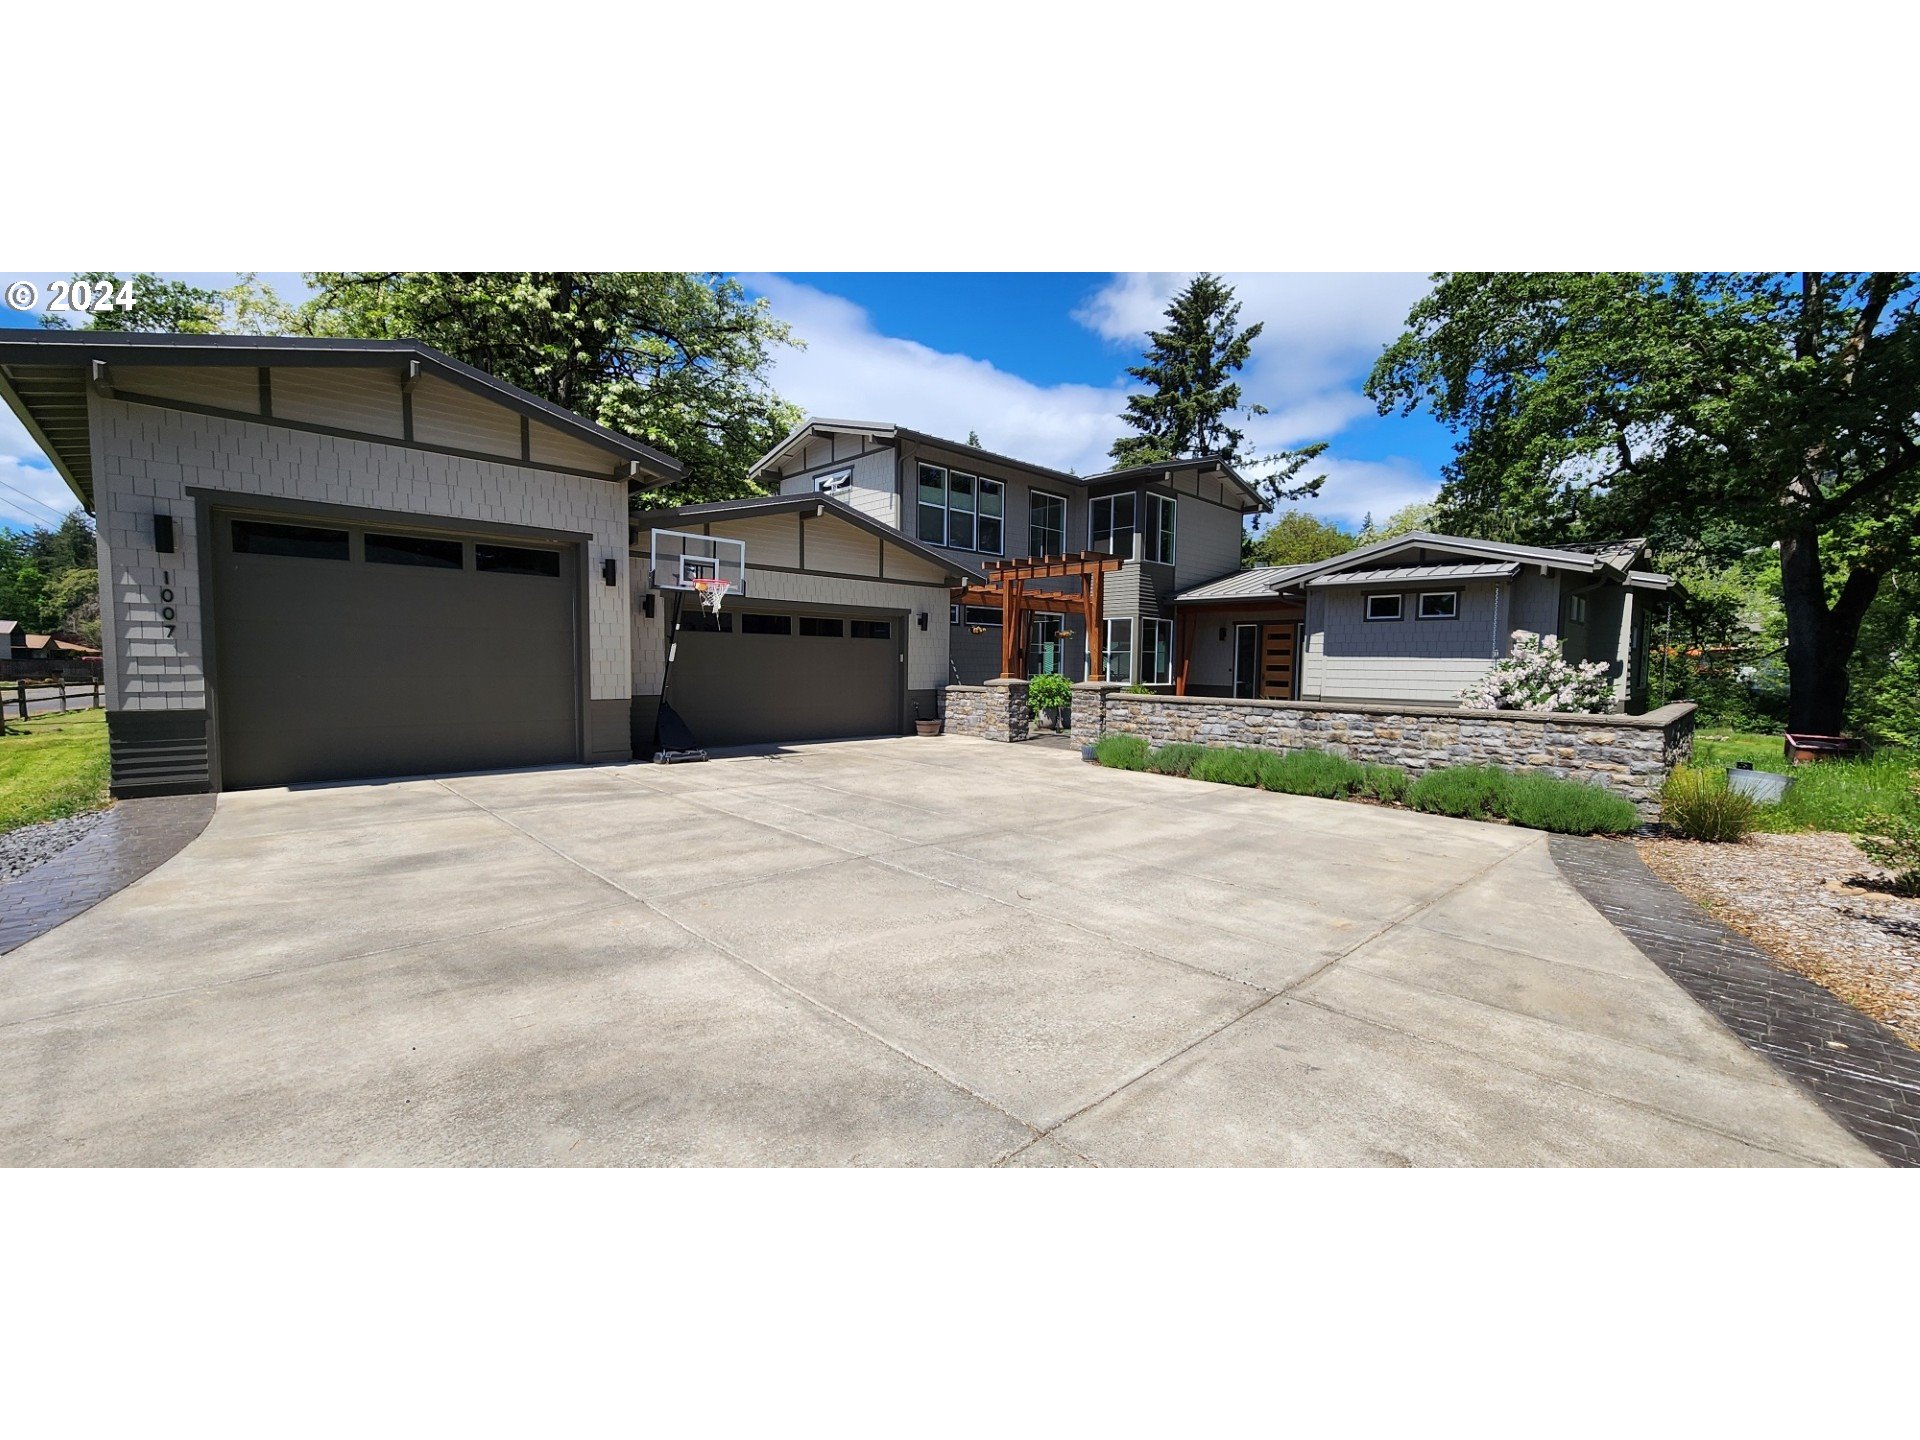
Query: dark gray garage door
[
  {"x": 348, "y": 651},
  {"x": 761, "y": 675}
]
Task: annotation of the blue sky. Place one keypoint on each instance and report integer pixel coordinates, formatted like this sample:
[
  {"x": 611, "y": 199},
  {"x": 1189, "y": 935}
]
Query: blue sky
[{"x": 1036, "y": 363}]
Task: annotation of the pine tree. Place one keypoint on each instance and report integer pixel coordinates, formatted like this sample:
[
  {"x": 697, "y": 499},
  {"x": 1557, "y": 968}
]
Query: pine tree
[{"x": 1192, "y": 396}]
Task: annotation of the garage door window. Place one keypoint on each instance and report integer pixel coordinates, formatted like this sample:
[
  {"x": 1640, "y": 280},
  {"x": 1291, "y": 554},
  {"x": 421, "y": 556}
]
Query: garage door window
[
  {"x": 700, "y": 620},
  {"x": 415, "y": 550},
  {"x": 751, "y": 624},
  {"x": 298, "y": 542},
  {"x": 816, "y": 625},
  {"x": 872, "y": 629},
  {"x": 514, "y": 560}
]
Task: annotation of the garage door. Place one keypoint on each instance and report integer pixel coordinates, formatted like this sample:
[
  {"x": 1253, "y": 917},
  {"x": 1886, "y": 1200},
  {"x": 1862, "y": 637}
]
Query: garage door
[
  {"x": 349, "y": 651},
  {"x": 759, "y": 675}
]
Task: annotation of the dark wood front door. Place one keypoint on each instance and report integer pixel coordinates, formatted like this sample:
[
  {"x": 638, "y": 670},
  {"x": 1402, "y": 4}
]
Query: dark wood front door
[{"x": 1279, "y": 661}]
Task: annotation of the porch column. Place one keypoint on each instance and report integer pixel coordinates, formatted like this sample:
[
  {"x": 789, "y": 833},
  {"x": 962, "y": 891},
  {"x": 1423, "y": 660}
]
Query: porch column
[
  {"x": 1007, "y": 612},
  {"x": 1095, "y": 586},
  {"x": 1186, "y": 630}
]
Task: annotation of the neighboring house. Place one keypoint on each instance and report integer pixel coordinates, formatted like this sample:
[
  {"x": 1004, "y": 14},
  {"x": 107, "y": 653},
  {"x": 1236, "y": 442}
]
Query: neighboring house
[
  {"x": 1416, "y": 619},
  {"x": 13, "y": 640},
  {"x": 1173, "y": 525}
]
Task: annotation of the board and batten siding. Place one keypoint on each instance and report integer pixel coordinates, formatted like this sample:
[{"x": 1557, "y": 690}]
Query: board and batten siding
[
  {"x": 147, "y": 457},
  {"x": 870, "y": 489}
]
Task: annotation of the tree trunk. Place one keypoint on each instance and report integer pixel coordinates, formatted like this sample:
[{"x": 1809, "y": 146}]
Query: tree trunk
[{"x": 1820, "y": 638}]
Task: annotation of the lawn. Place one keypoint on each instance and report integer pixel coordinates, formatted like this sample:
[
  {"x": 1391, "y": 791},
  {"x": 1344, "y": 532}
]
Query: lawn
[
  {"x": 1842, "y": 795},
  {"x": 52, "y": 766}
]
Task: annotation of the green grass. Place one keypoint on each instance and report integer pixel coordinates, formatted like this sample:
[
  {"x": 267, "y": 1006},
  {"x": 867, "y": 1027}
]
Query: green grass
[
  {"x": 1849, "y": 796},
  {"x": 52, "y": 766}
]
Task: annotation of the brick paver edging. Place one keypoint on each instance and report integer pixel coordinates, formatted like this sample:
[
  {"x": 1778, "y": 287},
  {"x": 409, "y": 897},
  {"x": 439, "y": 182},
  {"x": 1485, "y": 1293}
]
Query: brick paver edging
[
  {"x": 1860, "y": 1072},
  {"x": 135, "y": 836}
]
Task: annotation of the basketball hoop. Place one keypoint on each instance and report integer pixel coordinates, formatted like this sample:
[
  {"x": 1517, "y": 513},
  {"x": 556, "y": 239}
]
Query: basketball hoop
[{"x": 712, "y": 593}]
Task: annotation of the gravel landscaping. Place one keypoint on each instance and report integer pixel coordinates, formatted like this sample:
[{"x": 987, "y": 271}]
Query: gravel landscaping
[
  {"x": 1811, "y": 902},
  {"x": 31, "y": 845}
]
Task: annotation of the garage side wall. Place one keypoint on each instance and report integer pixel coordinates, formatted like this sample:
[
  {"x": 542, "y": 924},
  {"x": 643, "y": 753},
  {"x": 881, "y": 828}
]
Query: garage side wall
[{"x": 147, "y": 458}]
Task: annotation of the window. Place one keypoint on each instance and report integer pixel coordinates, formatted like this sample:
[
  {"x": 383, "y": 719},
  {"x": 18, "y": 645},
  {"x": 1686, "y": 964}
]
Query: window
[
  {"x": 1110, "y": 522},
  {"x": 1383, "y": 607},
  {"x": 933, "y": 505},
  {"x": 1439, "y": 604},
  {"x": 822, "y": 627},
  {"x": 1046, "y": 523},
  {"x": 295, "y": 542},
  {"x": 1576, "y": 609},
  {"x": 414, "y": 550},
  {"x": 993, "y": 504},
  {"x": 870, "y": 629},
  {"x": 1160, "y": 513},
  {"x": 1116, "y": 657},
  {"x": 1156, "y": 652},
  {"x": 698, "y": 618},
  {"x": 831, "y": 484},
  {"x": 513, "y": 560},
  {"x": 960, "y": 508},
  {"x": 751, "y": 624},
  {"x": 976, "y": 615}
]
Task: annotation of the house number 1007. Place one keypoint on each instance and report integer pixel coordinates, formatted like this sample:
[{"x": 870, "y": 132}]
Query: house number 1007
[{"x": 166, "y": 600}]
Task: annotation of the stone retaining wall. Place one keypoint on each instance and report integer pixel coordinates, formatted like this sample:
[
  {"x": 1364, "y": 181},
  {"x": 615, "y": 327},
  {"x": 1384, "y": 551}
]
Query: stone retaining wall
[
  {"x": 1630, "y": 754},
  {"x": 996, "y": 710}
]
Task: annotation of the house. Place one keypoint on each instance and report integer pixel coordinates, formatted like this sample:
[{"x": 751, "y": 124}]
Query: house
[
  {"x": 1171, "y": 526},
  {"x": 326, "y": 559},
  {"x": 1415, "y": 619}
]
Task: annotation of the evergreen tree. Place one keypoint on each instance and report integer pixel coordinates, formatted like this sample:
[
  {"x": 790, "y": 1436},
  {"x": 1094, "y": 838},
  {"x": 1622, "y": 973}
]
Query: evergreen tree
[{"x": 1192, "y": 397}]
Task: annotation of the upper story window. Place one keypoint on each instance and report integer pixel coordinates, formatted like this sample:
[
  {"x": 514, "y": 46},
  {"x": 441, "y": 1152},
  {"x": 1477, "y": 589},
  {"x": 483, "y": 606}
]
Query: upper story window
[
  {"x": 1110, "y": 524},
  {"x": 834, "y": 482},
  {"x": 1160, "y": 527},
  {"x": 960, "y": 511},
  {"x": 1046, "y": 523}
]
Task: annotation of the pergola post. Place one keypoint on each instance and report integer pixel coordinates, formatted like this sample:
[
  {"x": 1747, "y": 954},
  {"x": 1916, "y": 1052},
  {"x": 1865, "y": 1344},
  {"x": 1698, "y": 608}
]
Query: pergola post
[
  {"x": 1185, "y": 629},
  {"x": 1095, "y": 588}
]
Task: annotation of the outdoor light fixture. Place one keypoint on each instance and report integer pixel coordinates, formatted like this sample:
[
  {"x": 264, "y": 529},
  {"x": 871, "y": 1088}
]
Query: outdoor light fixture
[
  {"x": 923, "y": 619},
  {"x": 163, "y": 534},
  {"x": 646, "y": 605},
  {"x": 1223, "y": 632},
  {"x": 609, "y": 571}
]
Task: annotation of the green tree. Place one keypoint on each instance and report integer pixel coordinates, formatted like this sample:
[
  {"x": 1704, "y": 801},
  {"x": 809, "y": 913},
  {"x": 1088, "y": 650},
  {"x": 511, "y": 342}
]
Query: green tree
[
  {"x": 1420, "y": 515},
  {"x": 1745, "y": 409},
  {"x": 679, "y": 360},
  {"x": 23, "y": 592},
  {"x": 1297, "y": 538},
  {"x": 1192, "y": 397},
  {"x": 249, "y": 306},
  {"x": 73, "y": 600}
]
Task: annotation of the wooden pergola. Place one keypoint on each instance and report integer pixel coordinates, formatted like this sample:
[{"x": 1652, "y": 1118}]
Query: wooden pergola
[{"x": 1006, "y": 590}]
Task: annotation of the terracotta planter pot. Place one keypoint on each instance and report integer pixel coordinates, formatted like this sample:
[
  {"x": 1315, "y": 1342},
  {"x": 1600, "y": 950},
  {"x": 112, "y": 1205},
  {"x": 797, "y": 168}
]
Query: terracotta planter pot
[{"x": 926, "y": 727}]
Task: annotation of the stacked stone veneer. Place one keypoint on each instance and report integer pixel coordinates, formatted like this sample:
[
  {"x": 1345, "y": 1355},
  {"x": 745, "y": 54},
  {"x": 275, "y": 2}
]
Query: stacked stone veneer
[
  {"x": 1631, "y": 754},
  {"x": 996, "y": 710}
]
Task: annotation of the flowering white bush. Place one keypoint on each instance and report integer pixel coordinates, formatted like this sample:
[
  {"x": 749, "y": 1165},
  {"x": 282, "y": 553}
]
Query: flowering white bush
[{"x": 1537, "y": 677}]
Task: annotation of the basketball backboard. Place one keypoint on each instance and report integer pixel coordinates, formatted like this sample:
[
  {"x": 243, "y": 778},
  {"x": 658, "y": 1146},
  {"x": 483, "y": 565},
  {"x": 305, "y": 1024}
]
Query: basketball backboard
[{"x": 677, "y": 558}]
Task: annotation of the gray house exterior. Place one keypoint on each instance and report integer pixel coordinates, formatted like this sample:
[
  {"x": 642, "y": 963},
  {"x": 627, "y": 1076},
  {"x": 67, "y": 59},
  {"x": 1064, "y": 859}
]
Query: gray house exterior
[{"x": 1176, "y": 525}]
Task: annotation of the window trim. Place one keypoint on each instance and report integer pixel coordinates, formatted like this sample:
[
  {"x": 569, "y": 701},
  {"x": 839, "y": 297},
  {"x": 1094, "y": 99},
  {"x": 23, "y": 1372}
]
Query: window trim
[
  {"x": 1132, "y": 526},
  {"x": 1420, "y": 608},
  {"x": 1399, "y": 607},
  {"x": 833, "y": 481},
  {"x": 962, "y": 615},
  {"x": 1576, "y": 609},
  {"x": 1061, "y": 500},
  {"x": 1253, "y": 676},
  {"x": 1157, "y": 506},
  {"x": 1146, "y": 650},
  {"x": 980, "y": 484},
  {"x": 975, "y": 512},
  {"x": 920, "y": 503},
  {"x": 1106, "y": 649}
]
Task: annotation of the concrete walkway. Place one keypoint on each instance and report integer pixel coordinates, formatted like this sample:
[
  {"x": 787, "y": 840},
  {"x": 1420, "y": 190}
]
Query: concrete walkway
[{"x": 911, "y": 952}]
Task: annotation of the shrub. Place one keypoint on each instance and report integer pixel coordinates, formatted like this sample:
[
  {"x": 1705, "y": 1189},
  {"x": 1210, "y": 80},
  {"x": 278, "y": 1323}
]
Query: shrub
[
  {"x": 1174, "y": 759},
  {"x": 1388, "y": 783},
  {"x": 1121, "y": 752},
  {"x": 1537, "y": 677},
  {"x": 1567, "y": 807},
  {"x": 1228, "y": 765},
  {"x": 1697, "y": 805},
  {"x": 1895, "y": 843},
  {"x": 1467, "y": 791},
  {"x": 1048, "y": 692},
  {"x": 1311, "y": 772}
]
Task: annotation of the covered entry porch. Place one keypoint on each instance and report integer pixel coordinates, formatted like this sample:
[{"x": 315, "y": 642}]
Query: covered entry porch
[
  {"x": 1248, "y": 649},
  {"x": 1022, "y": 590}
]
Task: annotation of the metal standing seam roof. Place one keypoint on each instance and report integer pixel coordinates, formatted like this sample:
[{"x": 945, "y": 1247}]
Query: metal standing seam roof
[
  {"x": 1262, "y": 582},
  {"x": 1419, "y": 575},
  {"x": 707, "y": 510}
]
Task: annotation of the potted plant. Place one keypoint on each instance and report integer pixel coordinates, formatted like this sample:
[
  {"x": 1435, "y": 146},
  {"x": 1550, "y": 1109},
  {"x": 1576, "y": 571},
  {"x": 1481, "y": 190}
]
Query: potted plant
[
  {"x": 1050, "y": 697},
  {"x": 924, "y": 727}
]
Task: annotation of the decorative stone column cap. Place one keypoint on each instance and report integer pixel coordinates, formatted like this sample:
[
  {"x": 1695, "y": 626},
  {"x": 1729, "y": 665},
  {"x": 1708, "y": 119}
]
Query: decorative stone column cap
[
  {"x": 1005, "y": 682},
  {"x": 1100, "y": 687}
]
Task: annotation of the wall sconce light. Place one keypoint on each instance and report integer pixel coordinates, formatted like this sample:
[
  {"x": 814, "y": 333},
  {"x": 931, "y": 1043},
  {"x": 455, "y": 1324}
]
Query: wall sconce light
[
  {"x": 609, "y": 571},
  {"x": 163, "y": 534},
  {"x": 923, "y": 619},
  {"x": 646, "y": 605},
  {"x": 1223, "y": 632}
]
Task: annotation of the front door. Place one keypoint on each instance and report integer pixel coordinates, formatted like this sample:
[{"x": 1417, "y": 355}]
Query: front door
[
  {"x": 1043, "y": 644},
  {"x": 1246, "y": 661},
  {"x": 1278, "y": 656}
]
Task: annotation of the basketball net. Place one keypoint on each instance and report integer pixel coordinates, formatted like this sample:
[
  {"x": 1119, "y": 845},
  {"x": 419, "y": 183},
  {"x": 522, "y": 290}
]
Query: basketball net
[{"x": 712, "y": 593}]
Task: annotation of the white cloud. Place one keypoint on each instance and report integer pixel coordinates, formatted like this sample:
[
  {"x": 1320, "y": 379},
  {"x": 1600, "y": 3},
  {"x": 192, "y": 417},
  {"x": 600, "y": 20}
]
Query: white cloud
[
  {"x": 29, "y": 486},
  {"x": 1358, "y": 488}
]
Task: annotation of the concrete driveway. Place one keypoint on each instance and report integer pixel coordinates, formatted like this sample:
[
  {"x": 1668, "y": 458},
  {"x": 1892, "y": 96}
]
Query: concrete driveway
[{"x": 905, "y": 952}]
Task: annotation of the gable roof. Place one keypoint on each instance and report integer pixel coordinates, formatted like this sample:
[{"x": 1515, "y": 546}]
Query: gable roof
[
  {"x": 712, "y": 510},
  {"x": 889, "y": 433},
  {"x": 44, "y": 376},
  {"x": 1262, "y": 582}
]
